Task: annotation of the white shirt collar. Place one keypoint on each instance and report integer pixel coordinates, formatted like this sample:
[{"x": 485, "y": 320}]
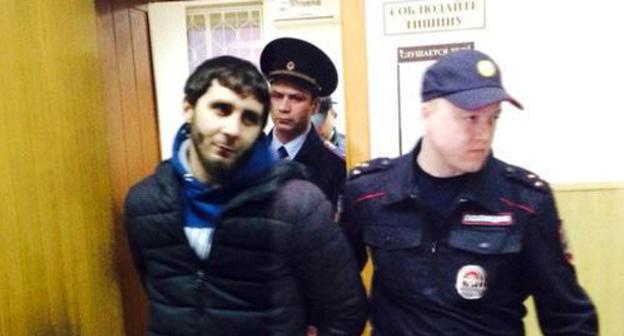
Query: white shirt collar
[{"x": 292, "y": 147}]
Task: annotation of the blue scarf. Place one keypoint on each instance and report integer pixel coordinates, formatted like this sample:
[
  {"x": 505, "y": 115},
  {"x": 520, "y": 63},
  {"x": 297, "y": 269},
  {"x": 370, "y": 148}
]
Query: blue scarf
[{"x": 203, "y": 202}]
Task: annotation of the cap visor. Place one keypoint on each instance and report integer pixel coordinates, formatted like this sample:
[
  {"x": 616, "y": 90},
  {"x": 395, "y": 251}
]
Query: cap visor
[{"x": 478, "y": 98}]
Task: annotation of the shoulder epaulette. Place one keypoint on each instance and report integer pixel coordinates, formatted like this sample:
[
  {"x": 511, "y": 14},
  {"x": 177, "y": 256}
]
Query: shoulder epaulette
[
  {"x": 334, "y": 149},
  {"x": 368, "y": 167},
  {"x": 526, "y": 178}
]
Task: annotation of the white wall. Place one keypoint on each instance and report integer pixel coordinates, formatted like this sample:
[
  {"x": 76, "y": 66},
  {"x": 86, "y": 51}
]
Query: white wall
[
  {"x": 561, "y": 59},
  {"x": 167, "y": 23},
  {"x": 169, "y": 49}
]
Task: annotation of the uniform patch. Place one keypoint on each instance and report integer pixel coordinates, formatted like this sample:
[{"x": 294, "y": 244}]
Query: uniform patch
[
  {"x": 501, "y": 219},
  {"x": 369, "y": 196},
  {"x": 471, "y": 282},
  {"x": 565, "y": 244},
  {"x": 524, "y": 207}
]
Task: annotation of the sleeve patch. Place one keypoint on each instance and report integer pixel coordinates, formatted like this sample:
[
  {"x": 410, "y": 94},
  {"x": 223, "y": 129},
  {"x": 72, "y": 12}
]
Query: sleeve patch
[{"x": 565, "y": 244}]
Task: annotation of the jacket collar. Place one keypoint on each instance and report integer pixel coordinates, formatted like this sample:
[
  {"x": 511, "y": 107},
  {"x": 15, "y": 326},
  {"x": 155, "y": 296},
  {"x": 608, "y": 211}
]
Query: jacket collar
[
  {"x": 267, "y": 185},
  {"x": 312, "y": 149},
  {"x": 403, "y": 184},
  {"x": 264, "y": 187},
  {"x": 483, "y": 187}
]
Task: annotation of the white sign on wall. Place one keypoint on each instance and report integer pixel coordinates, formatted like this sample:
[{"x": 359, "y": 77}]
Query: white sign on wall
[
  {"x": 422, "y": 16},
  {"x": 300, "y": 10}
]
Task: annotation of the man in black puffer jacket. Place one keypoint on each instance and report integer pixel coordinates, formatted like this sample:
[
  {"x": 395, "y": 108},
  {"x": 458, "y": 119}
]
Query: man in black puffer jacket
[{"x": 226, "y": 240}]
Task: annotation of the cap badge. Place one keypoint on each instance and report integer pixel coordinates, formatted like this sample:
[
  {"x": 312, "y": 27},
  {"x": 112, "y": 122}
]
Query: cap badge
[
  {"x": 290, "y": 65},
  {"x": 471, "y": 282},
  {"x": 486, "y": 68}
]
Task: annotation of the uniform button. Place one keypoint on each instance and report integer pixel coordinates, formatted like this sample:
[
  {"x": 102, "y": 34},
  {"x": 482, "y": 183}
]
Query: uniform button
[
  {"x": 531, "y": 176},
  {"x": 511, "y": 169},
  {"x": 364, "y": 164},
  {"x": 484, "y": 245},
  {"x": 538, "y": 184},
  {"x": 356, "y": 172},
  {"x": 385, "y": 162},
  {"x": 463, "y": 200}
]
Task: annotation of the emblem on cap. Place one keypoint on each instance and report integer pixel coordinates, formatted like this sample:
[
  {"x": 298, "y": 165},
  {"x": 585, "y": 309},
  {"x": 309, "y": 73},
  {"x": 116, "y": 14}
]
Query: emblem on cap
[
  {"x": 471, "y": 282},
  {"x": 290, "y": 65},
  {"x": 486, "y": 68}
]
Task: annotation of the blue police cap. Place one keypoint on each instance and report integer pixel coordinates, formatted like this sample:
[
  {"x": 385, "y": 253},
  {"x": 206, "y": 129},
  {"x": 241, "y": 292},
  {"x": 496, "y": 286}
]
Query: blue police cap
[
  {"x": 469, "y": 79},
  {"x": 300, "y": 60}
]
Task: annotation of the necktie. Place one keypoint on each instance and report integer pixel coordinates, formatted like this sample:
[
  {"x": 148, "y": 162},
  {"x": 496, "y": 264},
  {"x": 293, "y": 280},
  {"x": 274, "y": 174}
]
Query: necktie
[{"x": 282, "y": 153}]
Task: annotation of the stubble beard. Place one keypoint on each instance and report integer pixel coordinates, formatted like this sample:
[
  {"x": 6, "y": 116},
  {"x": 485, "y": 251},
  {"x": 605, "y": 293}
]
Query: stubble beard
[{"x": 218, "y": 171}]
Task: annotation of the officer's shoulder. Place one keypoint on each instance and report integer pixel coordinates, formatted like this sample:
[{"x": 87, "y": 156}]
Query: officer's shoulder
[
  {"x": 334, "y": 151},
  {"x": 524, "y": 178},
  {"x": 370, "y": 167}
]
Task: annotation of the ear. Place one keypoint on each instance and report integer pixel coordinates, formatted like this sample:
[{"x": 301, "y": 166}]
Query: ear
[
  {"x": 316, "y": 103},
  {"x": 425, "y": 110},
  {"x": 188, "y": 111}
]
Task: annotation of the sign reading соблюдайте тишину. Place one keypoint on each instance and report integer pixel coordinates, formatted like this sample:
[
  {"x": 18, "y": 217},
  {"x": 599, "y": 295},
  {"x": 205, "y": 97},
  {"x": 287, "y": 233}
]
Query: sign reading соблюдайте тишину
[{"x": 407, "y": 17}]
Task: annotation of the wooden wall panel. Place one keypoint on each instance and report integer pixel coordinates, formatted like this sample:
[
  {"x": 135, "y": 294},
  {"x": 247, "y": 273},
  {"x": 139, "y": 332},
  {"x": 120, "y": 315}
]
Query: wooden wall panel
[
  {"x": 56, "y": 265},
  {"x": 123, "y": 38},
  {"x": 356, "y": 80},
  {"x": 353, "y": 25},
  {"x": 593, "y": 218},
  {"x": 146, "y": 102}
]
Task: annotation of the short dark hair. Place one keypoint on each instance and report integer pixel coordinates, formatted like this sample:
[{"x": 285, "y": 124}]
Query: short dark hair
[
  {"x": 325, "y": 105},
  {"x": 236, "y": 74}
]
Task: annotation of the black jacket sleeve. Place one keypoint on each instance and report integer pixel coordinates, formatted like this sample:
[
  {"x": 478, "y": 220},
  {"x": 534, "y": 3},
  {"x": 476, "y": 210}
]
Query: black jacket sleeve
[
  {"x": 327, "y": 271},
  {"x": 351, "y": 227},
  {"x": 130, "y": 222},
  {"x": 563, "y": 307}
]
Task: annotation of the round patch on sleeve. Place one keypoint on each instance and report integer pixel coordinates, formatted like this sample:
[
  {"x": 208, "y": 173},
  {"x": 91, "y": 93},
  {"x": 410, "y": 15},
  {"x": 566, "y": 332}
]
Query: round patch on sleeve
[{"x": 471, "y": 282}]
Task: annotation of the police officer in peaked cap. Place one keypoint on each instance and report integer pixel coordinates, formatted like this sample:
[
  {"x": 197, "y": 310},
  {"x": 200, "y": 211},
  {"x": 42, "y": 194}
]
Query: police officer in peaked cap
[
  {"x": 300, "y": 73},
  {"x": 459, "y": 239},
  {"x": 324, "y": 122}
]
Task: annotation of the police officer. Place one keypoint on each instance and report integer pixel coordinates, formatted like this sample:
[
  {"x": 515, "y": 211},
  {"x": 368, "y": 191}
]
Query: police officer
[
  {"x": 299, "y": 74},
  {"x": 323, "y": 121},
  {"x": 458, "y": 238}
]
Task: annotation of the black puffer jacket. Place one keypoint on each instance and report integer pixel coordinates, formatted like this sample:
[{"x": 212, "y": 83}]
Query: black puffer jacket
[{"x": 274, "y": 248}]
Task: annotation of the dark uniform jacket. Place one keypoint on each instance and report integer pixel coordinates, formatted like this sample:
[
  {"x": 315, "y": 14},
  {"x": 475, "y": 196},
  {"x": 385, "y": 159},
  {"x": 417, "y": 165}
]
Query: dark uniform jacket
[
  {"x": 468, "y": 273},
  {"x": 274, "y": 247},
  {"x": 326, "y": 168}
]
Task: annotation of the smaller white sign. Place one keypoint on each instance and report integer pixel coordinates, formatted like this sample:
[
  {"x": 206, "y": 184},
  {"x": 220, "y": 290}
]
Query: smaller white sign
[
  {"x": 298, "y": 10},
  {"x": 423, "y": 16}
]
